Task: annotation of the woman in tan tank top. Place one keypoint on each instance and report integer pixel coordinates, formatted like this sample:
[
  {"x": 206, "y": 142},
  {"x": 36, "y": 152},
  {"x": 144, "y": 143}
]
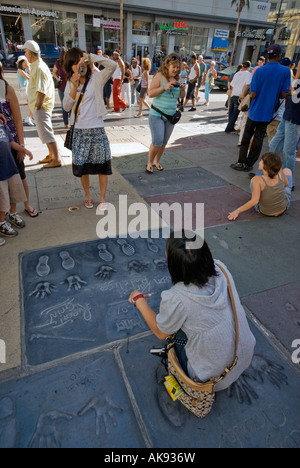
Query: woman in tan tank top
[{"x": 271, "y": 189}]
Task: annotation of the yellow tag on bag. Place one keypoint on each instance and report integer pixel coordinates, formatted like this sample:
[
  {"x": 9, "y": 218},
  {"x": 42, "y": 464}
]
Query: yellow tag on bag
[{"x": 173, "y": 388}]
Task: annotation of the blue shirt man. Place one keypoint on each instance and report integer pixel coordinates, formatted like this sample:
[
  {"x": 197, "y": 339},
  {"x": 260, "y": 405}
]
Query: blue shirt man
[{"x": 269, "y": 83}]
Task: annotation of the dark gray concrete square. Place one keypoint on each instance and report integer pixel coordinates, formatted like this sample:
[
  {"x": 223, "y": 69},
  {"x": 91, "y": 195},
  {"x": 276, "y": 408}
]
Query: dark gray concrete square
[
  {"x": 80, "y": 404},
  {"x": 279, "y": 310},
  {"x": 261, "y": 410},
  {"x": 254, "y": 251},
  {"x": 175, "y": 181},
  {"x": 75, "y": 297}
]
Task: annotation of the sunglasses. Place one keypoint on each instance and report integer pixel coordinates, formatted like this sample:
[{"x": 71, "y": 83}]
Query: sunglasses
[{"x": 175, "y": 58}]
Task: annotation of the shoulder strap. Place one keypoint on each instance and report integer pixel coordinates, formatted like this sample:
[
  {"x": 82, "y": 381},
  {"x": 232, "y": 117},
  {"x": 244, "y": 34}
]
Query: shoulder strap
[
  {"x": 80, "y": 98},
  {"x": 237, "y": 332},
  {"x": 159, "y": 111}
]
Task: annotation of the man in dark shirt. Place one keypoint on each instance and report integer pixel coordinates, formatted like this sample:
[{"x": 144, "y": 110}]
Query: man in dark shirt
[{"x": 287, "y": 135}]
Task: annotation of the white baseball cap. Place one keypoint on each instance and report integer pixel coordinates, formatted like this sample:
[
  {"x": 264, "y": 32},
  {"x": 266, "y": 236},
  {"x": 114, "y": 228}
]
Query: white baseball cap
[
  {"x": 22, "y": 57},
  {"x": 30, "y": 45}
]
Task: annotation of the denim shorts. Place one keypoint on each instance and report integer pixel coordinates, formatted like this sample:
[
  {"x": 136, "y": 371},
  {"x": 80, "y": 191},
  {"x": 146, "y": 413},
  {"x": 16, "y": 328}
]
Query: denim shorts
[{"x": 161, "y": 130}]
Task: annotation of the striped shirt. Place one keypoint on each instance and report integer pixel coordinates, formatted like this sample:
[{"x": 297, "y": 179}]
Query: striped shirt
[{"x": 166, "y": 101}]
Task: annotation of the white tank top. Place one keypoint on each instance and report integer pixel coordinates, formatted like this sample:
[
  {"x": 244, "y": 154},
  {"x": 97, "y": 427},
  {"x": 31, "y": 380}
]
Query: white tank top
[
  {"x": 193, "y": 73},
  {"x": 117, "y": 73},
  {"x": 135, "y": 72}
]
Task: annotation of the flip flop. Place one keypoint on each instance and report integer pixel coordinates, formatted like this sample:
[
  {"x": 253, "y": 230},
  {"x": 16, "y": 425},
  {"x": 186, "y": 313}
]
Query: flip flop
[
  {"x": 159, "y": 167},
  {"x": 89, "y": 204},
  {"x": 148, "y": 170},
  {"x": 33, "y": 213}
]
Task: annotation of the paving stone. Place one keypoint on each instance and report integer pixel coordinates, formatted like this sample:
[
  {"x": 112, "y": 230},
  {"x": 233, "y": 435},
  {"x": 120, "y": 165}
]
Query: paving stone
[
  {"x": 136, "y": 163},
  {"x": 253, "y": 251},
  {"x": 278, "y": 309},
  {"x": 217, "y": 203},
  {"x": 169, "y": 182}
]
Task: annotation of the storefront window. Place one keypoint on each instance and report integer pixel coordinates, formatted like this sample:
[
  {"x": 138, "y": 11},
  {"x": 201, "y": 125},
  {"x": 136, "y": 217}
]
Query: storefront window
[
  {"x": 13, "y": 27},
  {"x": 141, "y": 28},
  {"x": 106, "y": 36},
  {"x": 67, "y": 30},
  {"x": 43, "y": 30}
]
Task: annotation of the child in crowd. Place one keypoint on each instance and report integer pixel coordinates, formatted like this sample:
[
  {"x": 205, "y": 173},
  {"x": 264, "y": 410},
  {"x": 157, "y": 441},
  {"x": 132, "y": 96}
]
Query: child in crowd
[
  {"x": 11, "y": 187},
  {"x": 271, "y": 189},
  {"x": 23, "y": 79}
]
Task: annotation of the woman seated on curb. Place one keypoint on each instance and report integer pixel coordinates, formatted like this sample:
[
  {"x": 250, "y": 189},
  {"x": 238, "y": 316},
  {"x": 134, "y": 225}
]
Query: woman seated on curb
[
  {"x": 271, "y": 189},
  {"x": 198, "y": 307}
]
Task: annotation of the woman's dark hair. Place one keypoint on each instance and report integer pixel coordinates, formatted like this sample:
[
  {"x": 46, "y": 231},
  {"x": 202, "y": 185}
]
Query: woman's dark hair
[
  {"x": 20, "y": 63},
  {"x": 186, "y": 264},
  {"x": 272, "y": 164},
  {"x": 73, "y": 57}
]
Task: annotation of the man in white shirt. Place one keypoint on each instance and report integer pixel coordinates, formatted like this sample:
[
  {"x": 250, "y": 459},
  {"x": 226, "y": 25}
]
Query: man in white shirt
[
  {"x": 240, "y": 85},
  {"x": 193, "y": 78}
]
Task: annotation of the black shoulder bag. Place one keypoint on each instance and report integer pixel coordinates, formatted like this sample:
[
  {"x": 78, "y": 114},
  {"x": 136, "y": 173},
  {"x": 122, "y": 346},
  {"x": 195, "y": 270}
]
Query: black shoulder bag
[
  {"x": 70, "y": 132},
  {"x": 174, "y": 119}
]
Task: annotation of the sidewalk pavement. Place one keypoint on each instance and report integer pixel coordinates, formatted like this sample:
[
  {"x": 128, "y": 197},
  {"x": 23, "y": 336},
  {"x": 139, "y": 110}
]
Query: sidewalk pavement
[{"x": 74, "y": 344}]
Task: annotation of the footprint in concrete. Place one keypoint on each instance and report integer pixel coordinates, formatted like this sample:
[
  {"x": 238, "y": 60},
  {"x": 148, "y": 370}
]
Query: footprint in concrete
[
  {"x": 42, "y": 267},
  {"x": 152, "y": 246},
  {"x": 104, "y": 254},
  {"x": 127, "y": 248},
  {"x": 67, "y": 261}
]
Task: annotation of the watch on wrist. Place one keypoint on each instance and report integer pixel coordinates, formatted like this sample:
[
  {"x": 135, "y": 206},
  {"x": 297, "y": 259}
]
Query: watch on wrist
[{"x": 134, "y": 299}]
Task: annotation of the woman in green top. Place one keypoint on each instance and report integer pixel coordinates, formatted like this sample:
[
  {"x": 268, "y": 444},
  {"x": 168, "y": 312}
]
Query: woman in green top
[{"x": 165, "y": 90}]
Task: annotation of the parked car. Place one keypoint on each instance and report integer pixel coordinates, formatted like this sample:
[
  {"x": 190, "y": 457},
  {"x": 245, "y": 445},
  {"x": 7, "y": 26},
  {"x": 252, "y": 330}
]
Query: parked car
[
  {"x": 223, "y": 77},
  {"x": 49, "y": 53}
]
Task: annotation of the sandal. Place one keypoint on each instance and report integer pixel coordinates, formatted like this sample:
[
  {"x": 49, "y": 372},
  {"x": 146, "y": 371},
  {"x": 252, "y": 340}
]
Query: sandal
[
  {"x": 89, "y": 204},
  {"x": 158, "y": 166},
  {"x": 148, "y": 168},
  {"x": 102, "y": 206},
  {"x": 33, "y": 213}
]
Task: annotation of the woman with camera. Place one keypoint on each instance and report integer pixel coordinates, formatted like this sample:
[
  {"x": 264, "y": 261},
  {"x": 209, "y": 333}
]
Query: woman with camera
[
  {"x": 165, "y": 90},
  {"x": 90, "y": 146}
]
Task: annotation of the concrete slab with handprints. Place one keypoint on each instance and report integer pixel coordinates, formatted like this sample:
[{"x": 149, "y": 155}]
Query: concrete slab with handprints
[
  {"x": 116, "y": 399},
  {"x": 260, "y": 410},
  {"x": 75, "y": 297},
  {"x": 80, "y": 404}
]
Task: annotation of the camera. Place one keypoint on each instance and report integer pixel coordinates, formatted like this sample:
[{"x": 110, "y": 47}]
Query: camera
[
  {"x": 82, "y": 70},
  {"x": 176, "y": 85}
]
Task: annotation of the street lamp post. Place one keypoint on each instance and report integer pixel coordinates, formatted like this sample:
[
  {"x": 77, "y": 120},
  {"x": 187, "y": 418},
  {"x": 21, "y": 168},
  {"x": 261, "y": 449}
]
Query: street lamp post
[
  {"x": 276, "y": 23},
  {"x": 121, "y": 26}
]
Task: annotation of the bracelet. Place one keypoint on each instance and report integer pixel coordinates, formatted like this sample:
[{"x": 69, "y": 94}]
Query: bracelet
[
  {"x": 22, "y": 144},
  {"x": 134, "y": 299}
]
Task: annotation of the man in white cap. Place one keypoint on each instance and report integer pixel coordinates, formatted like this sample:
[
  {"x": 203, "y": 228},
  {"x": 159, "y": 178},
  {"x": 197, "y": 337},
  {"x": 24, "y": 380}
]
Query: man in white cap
[{"x": 41, "y": 98}]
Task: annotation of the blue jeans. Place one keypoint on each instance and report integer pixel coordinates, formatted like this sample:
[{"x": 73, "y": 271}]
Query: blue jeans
[
  {"x": 207, "y": 91},
  {"x": 65, "y": 114},
  {"x": 161, "y": 130},
  {"x": 285, "y": 141},
  {"x": 288, "y": 191},
  {"x": 233, "y": 113}
]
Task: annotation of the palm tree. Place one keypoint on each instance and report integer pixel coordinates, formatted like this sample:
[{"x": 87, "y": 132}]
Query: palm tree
[{"x": 240, "y": 4}]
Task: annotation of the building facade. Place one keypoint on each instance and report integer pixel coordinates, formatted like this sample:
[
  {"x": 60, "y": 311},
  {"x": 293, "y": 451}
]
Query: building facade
[
  {"x": 151, "y": 29},
  {"x": 286, "y": 17}
]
